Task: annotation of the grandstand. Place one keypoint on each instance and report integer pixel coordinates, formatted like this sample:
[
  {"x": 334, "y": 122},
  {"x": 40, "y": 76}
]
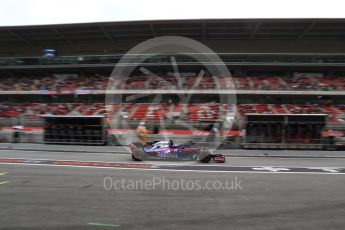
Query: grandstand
[{"x": 278, "y": 67}]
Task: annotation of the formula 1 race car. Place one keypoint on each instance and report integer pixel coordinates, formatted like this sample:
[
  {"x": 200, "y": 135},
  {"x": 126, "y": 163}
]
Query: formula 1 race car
[{"x": 167, "y": 150}]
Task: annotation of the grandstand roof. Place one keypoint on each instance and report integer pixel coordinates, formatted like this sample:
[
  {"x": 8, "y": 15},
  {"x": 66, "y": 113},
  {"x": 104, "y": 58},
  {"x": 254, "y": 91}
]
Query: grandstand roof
[
  {"x": 233, "y": 29},
  {"x": 221, "y": 35}
]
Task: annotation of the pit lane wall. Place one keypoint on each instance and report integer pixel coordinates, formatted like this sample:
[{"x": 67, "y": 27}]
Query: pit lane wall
[
  {"x": 121, "y": 137},
  {"x": 233, "y": 140}
]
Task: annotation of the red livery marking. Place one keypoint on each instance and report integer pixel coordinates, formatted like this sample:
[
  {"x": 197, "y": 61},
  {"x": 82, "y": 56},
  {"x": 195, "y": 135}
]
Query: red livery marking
[{"x": 11, "y": 161}]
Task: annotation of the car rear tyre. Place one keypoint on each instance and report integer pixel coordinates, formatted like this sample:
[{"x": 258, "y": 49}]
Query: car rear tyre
[
  {"x": 135, "y": 159},
  {"x": 206, "y": 159}
]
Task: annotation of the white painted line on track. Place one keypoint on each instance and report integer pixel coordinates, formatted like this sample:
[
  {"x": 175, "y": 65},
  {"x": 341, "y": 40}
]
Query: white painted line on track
[
  {"x": 186, "y": 163},
  {"x": 281, "y": 166},
  {"x": 178, "y": 170},
  {"x": 120, "y": 162}
]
